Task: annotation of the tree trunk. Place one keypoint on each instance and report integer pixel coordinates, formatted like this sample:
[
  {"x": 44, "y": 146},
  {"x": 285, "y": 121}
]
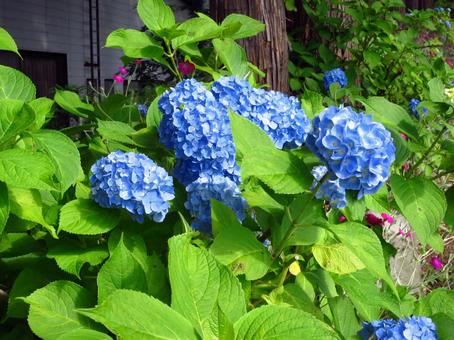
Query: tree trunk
[{"x": 268, "y": 50}]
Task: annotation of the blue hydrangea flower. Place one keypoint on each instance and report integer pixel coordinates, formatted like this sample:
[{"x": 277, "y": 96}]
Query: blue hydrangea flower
[
  {"x": 413, "y": 106},
  {"x": 197, "y": 127},
  {"x": 143, "y": 109},
  {"x": 358, "y": 151},
  {"x": 280, "y": 116},
  {"x": 439, "y": 9},
  {"x": 412, "y": 328},
  {"x": 330, "y": 189},
  {"x": 134, "y": 182},
  {"x": 217, "y": 187},
  {"x": 448, "y": 23},
  {"x": 336, "y": 75}
]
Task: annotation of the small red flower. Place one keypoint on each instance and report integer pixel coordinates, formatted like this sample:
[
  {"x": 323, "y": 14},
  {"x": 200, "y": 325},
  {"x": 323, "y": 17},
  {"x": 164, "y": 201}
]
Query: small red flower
[
  {"x": 404, "y": 136},
  {"x": 436, "y": 263},
  {"x": 186, "y": 68},
  {"x": 118, "y": 79},
  {"x": 372, "y": 219},
  {"x": 387, "y": 218},
  {"x": 405, "y": 166},
  {"x": 123, "y": 70},
  {"x": 138, "y": 61},
  {"x": 342, "y": 218}
]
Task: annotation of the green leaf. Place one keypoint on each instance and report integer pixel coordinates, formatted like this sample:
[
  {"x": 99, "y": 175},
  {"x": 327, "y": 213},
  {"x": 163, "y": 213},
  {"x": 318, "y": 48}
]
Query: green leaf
[
  {"x": 134, "y": 315},
  {"x": 154, "y": 115},
  {"x": 256, "y": 196},
  {"x": 43, "y": 109},
  {"x": 155, "y": 14},
  {"x": 449, "y": 216},
  {"x": 135, "y": 44},
  {"x": 121, "y": 271},
  {"x": 32, "y": 205},
  {"x": 4, "y": 206},
  {"x": 15, "y": 117},
  {"x": 7, "y": 42},
  {"x": 86, "y": 334},
  {"x": 26, "y": 283},
  {"x": 232, "y": 56},
  {"x": 15, "y": 85},
  {"x": 439, "y": 300},
  {"x": 247, "y": 27},
  {"x": 445, "y": 326},
  {"x": 422, "y": 203},
  {"x": 201, "y": 287},
  {"x": 70, "y": 102},
  {"x": 116, "y": 131},
  {"x": 248, "y": 137},
  {"x": 64, "y": 155},
  {"x": 402, "y": 150},
  {"x": 84, "y": 217},
  {"x": 344, "y": 316},
  {"x": 436, "y": 90},
  {"x": 312, "y": 103},
  {"x": 379, "y": 201},
  {"x": 281, "y": 171},
  {"x": 196, "y": 29},
  {"x": 236, "y": 246},
  {"x": 372, "y": 58},
  {"x": 386, "y": 112},
  {"x": 71, "y": 258},
  {"x": 279, "y": 322},
  {"x": 53, "y": 309},
  {"x": 336, "y": 258},
  {"x": 366, "y": 246},
  {"x": 26, "y": 169},
  {"x": 356, "y": 208},
  {"x": 361, "y": 288}
]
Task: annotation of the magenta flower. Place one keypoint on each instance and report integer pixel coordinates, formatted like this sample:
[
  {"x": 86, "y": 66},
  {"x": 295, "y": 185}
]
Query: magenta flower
[
  {"x": 138, "y": 61},
  {"x": 342, "y": 218},
  {"x": 373, "y": 219},
  {"x": 436, "y": 263},
  {"x": 186, "y": 68},
  {"x": 404, "y": 136},
  {"x": 405, "y": 166},
  {"x": 123, "y": 70},
  {"x": 118, "y": 79},
  {"x": 387, "y": 218}
]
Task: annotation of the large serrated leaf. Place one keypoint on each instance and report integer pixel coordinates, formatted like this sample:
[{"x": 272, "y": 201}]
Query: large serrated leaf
[
  {"x": 232, "y": 56},
  {"x": 26, "y": 169},
  {"x": 155, "y": 14},
  {"x": 15, "y": 117},
  {"x": 134, "y": 315},
  {"x": 422, "y": 203},
  {"x": 7, "y": 42},
  {"x": 246, "y": 26},
  {"x": 336, "y": 258},
  {"x": 15, "y": 85},
  {"x": 64, "y": 155},
  {"x": 135, "y": 44},
  {"x": 4, "y": 206},
  {"x": 53, "y": 309},
  {"x": 279, "y": 322},
  {"x": 70, "y": 101},
  {"x": 84, "y": 217},
  {"x": 121, "y": 271},
  {"x": 200, "y": 286}
]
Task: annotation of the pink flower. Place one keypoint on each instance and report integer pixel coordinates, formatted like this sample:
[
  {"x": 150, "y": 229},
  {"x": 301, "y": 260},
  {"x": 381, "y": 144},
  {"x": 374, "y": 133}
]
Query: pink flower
[
  {"x": 123, "y": 70},
  {"x": 372, "y": 219},
  {"x": 436, "y": 263},
  {"x": 450, "y": 62},
  {"x": 118, "y": 79},
  {"x": 138, "y": 61},
  {"x": 402, "y": 232},
  {"x": 404, "y": 136},
  {"x": 186, "y": 68},
  {"x": 405, "y": 166},
  {"x": 409, "y": 235},
  {"x": 387, "y": 217},
  {"x": 342, "y": 218}
]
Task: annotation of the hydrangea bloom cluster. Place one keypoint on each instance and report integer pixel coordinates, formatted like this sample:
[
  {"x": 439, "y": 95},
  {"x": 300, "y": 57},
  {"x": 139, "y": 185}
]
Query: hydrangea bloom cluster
[
  {"x": 214, "y": 186},
  {"x": 134, "y": 182},
  {"x": 358, "y": 151},
  {"x": 336, "y": 75},
  {"x": 420, "y": 328},
  {"x": 197, "y": 127},
  {"x": 278, "y": 115},
  {"x": 330, "y": 189},
  {"x": 413, "y": 106}
]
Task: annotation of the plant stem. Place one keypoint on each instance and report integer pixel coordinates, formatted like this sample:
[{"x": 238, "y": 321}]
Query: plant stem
[
  {"x": 171, "y": 55},
  {"x": 427, "y": 152}
]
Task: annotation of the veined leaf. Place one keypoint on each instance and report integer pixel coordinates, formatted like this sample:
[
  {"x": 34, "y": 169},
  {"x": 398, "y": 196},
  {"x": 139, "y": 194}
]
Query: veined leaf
[
  {"x": 15, "y": 85},
  {"x": 4, "y": 206},
  {"x": 155, "y": 14},
  {"x": 135, "y": 44},
  {"x": 336, "y": 258},
  {"x": 15, "y": 117},
  {"x": 232, "y": 56},
  {"x": 70, "y": 101},
  {"x": 7, "y": 42},
  {"x": 84, "y": 217},
  {"x": 134, "y": 315},
  {"x": 247, "y": 26}
]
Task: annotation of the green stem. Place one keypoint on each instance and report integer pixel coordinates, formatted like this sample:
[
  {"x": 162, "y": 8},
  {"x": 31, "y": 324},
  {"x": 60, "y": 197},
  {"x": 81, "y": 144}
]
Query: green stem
[
  {"x": 171, "y": 55},
  {"x": 427, "y": 152}
]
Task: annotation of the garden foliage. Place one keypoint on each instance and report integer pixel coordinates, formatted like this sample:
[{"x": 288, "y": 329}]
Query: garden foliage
[{"x": 223, "y": 210}]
